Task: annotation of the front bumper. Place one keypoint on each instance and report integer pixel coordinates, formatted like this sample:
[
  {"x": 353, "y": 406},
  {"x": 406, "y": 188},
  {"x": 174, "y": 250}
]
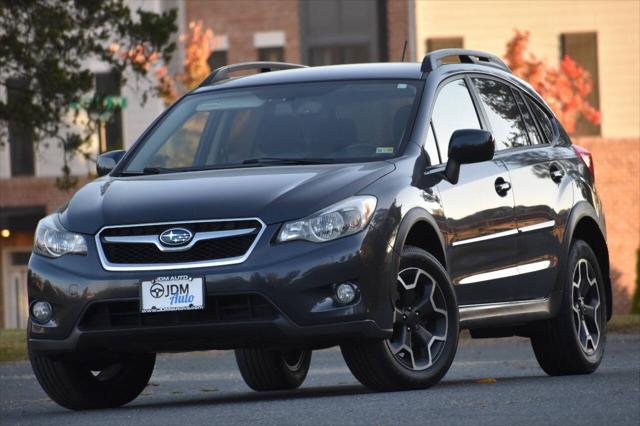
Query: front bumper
[{"x": 295, "y": 278}]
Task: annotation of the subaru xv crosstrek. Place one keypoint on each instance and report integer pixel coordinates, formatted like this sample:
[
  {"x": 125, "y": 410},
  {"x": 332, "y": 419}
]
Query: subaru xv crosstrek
[{"x": 378, "y": 207}]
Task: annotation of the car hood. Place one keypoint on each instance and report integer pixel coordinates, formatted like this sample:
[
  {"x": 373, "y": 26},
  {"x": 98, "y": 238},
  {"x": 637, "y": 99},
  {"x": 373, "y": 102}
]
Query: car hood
[{"x": 273, "y": 194}]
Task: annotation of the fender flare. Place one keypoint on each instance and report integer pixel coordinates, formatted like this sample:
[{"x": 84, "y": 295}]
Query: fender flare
[
  {"x": 412, "y": 217},
  {"x": 580, "y": 211}
]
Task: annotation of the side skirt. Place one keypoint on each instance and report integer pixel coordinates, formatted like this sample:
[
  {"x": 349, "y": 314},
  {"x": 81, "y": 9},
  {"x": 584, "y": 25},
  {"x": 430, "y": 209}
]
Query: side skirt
[{"x": 504, "y": 313}]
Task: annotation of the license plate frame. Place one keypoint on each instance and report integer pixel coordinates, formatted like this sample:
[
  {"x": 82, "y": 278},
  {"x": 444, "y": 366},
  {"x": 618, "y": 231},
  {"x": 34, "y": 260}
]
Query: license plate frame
[{"x": 172, "y": 293}]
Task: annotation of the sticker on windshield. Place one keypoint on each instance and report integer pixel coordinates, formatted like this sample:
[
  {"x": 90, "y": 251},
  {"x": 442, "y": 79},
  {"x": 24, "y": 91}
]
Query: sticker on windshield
[{"x": 384, "y": 150}]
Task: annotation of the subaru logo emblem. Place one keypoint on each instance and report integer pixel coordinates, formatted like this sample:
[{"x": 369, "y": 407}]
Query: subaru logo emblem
[{"x": 175, "y": 237}]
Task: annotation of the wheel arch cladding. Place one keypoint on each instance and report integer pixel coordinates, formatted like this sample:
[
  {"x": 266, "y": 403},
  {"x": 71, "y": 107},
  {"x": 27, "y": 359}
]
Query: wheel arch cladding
[
  {"x": 419, "y": 229},
  {"x": 587, "y": 229}
]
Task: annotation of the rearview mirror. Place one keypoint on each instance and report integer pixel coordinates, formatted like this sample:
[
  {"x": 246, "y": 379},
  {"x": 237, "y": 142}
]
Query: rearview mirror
[
  {"x": 468, "y": 146},
  {"x": 107, "y": 162}
]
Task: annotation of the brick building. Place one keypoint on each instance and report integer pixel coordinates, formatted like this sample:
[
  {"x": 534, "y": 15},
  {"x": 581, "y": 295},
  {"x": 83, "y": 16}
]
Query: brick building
[
  {"x": 344, "y": 31},
  {"x": 309, "y": 32}
]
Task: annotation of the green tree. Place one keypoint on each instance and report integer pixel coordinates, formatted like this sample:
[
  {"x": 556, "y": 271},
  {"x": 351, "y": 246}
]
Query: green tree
[{"x": 44, "y": 48}]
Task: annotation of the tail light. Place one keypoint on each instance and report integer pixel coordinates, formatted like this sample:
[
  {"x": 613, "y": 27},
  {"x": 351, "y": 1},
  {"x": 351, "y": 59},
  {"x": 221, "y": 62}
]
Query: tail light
[{"x": 587, "y": 159}]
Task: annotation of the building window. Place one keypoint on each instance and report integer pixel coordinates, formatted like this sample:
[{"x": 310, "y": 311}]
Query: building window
[
  {"x": 271, "y": 54},
  {"x": 217, "y": 59},
  {"x": 583, "y": 48},
  {"x": 108, "y": 84},
  {"x": 20, "y": 136},
  {"x": 341, "y": 31},
  {"x": 270, "y": 45},
  {"x": 438, "y": 43},
  {"x": 330, "y": 55}
]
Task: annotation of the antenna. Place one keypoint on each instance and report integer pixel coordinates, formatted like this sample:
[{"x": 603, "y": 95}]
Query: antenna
[{"x": 404, "y": 49}]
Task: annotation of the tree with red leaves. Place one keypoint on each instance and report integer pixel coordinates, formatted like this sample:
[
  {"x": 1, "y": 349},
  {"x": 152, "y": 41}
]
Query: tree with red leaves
[
  {"x": 564, "y": 88},
  {"x": 198, "y": 45}
]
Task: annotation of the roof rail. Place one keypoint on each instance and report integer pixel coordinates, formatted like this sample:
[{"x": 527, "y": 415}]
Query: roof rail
[
  {"x": 434, "y": 59},
  {"x": 222, "y": 73}
]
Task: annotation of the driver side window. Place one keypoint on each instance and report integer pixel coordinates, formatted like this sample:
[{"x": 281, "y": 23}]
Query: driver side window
[{"x": 452, "y": 111}]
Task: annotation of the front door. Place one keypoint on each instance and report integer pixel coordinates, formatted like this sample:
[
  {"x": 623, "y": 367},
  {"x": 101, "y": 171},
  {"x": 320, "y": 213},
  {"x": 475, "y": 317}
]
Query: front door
[
  {"x": 482, "y": 232},
  {"x": 480, "y": 227}
]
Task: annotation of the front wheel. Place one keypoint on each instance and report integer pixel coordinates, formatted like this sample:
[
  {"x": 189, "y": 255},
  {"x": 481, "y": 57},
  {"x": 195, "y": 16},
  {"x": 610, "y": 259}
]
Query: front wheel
[
  {"x": 77, "y": 386},
  {"x": 269, "y": 370},
  {"x": 425, "y": 330},
  {"x": 573, "y": 342}
]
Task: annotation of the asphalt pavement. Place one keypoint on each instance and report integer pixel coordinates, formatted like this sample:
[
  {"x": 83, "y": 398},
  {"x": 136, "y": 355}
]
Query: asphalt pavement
[{"x": 492, "y": 382}]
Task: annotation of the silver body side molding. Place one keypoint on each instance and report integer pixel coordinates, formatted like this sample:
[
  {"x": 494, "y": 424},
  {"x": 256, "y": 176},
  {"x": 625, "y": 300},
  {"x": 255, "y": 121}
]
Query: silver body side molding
[
  {"x": 528, "y": 228},
  {"x": 490, "y": 314},
  {"x": 507, "y": 272}
]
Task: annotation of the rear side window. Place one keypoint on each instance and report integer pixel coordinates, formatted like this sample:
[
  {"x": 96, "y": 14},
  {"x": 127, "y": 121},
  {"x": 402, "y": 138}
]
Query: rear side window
[
  {"x": 500, "y": 106},
  {"x": 452, "y": 111},
  {"x": 534, "y": 136},
  {"x": 543, "y": 120}
]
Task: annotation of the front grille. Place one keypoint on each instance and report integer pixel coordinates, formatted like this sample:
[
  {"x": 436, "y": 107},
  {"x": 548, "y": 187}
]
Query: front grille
[
  {"x": 125, "y": 251},
  {"x": 218, "y": 309},
  {"x": 219, "y": 248},
  {"x": 194, "y": 227}
]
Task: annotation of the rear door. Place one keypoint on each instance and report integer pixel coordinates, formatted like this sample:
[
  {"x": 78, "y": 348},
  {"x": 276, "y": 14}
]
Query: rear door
[
  {"x": 481, "y": 230},
  {"x": 540, "y": 187}
]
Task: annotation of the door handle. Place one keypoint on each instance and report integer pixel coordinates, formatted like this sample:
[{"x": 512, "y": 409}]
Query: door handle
[
  {"x": 556, "y": 173},
  {"x": 502, "y": 186}
]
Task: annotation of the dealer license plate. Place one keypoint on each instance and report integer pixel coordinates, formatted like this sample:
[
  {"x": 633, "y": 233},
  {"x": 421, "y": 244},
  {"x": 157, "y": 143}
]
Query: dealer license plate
[{"x": 172, "y": 293}]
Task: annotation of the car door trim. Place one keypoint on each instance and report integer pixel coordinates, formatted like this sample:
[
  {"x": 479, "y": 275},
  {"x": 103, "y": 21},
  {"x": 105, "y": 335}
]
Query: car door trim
[
  {"x": 486, "y": 237},
  {"x": 537, "y": 226},
  {"x": 507, "y": 272},
  {"x": 528, "y": 228}
]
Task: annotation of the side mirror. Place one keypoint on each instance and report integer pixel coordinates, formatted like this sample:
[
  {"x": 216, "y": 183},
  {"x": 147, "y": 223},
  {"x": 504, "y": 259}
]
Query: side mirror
[
  {"x": 468, "y": 146},
  {"x": 107, "y": 161}
]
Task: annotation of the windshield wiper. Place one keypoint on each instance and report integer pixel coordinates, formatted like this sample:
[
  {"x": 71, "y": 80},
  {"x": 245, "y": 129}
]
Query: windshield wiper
[
  {"x": 149, "y": 171},
  {"x": 277, "y": 160},
  {"x": 251, "y": 161}
]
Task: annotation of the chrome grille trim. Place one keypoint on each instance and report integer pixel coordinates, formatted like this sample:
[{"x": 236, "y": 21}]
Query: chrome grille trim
[
  {"x": 198, "y": 236},
  {"x": 185, "y": 265}
]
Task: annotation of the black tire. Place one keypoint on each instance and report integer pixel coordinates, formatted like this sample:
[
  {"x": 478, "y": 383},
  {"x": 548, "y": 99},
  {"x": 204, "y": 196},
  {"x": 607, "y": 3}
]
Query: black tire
[
  {"x": 270, "y": 370},
  {"x": 557, "y": 342},
  {"x": 375, "y": 365},
  {"x": 72, "y": 384}
]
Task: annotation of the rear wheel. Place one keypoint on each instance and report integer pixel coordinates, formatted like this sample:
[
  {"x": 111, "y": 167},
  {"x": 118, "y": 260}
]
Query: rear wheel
[
  {"x": 573, "y": 342},
  {"x": 268, "y": 370},
  {"x": 77, "y": 386},
  {"x": 425, "y": 331}
]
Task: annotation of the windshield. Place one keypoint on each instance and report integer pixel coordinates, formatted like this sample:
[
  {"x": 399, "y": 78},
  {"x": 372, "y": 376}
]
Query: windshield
[{"x": 303, "y": 123}]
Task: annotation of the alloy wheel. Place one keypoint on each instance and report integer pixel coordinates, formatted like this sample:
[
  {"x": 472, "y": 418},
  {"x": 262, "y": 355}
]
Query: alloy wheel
[
  {"x": 585, "y": 300},
  {"x": 293, "y": 359},
  {"x": 420, "y": 320}
]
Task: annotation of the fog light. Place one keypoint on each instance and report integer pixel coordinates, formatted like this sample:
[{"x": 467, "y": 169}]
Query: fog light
[
  {"x": 41, "y": 311},
  {"x": 345, "y": 293}
]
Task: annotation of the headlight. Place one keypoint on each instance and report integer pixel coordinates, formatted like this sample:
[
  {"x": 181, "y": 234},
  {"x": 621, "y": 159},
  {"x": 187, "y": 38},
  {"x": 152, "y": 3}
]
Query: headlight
[
  {"x": 52, "y": 240},
  {"x": 339, "y": 220}
]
